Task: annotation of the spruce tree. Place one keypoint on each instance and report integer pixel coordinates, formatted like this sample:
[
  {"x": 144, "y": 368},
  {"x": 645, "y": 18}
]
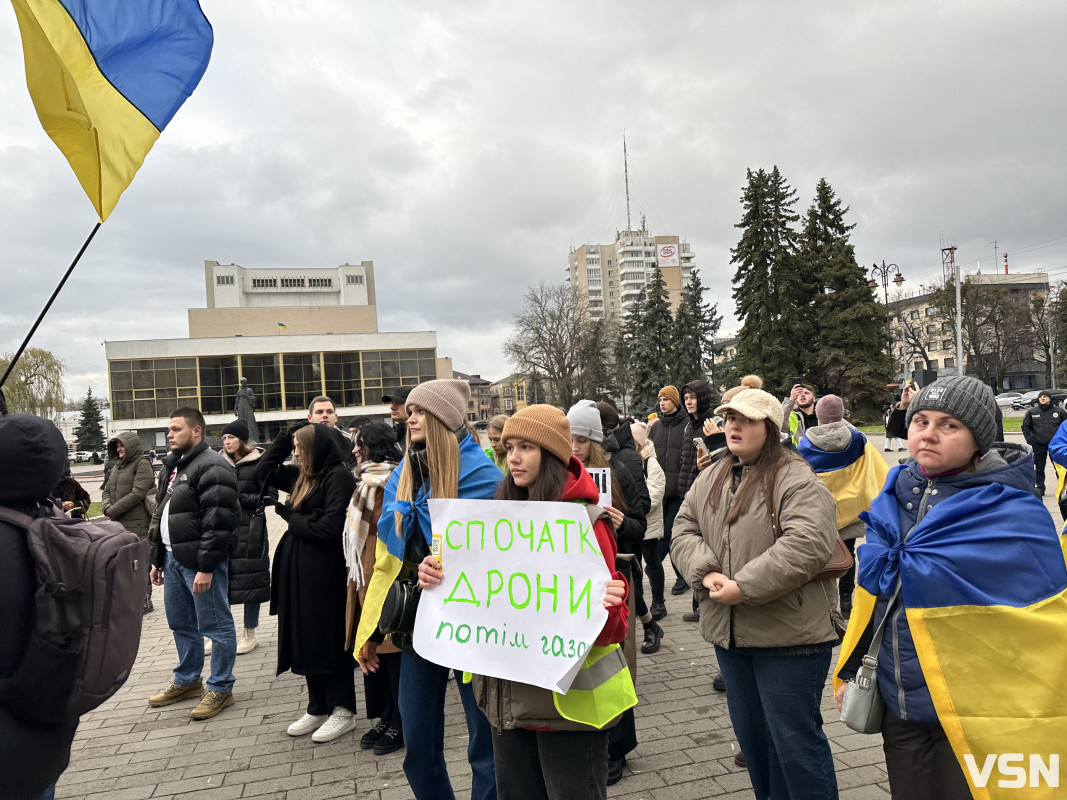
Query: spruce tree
[
  {"x": 648, "y": 332},
  {"x": 89, "y": 434},
  {"x": 850, "y": 346},
  {"x": 693, "y": 338},
  {"x": 772, "y": 294}
]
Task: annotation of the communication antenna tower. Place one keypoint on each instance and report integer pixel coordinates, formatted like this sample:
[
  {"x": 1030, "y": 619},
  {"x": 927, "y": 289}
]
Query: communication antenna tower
[
  {"x": 948, "y": 263},
  {"x": 626, "y": 177}
]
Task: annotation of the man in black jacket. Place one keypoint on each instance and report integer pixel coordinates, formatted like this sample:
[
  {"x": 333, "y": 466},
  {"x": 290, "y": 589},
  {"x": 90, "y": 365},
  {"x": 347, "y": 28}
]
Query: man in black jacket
[
  {"x": 398, "y": 412},
  {"x": 33, "y": 751},
  {"x": 197, "y": 530},
  {"x": 1039, "y": 426},
  {"x": 667, "y": 436}
]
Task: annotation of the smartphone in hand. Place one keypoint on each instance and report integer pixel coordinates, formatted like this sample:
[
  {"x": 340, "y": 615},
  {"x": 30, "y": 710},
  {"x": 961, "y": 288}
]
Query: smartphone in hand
[{"x": 702, "y": 449}]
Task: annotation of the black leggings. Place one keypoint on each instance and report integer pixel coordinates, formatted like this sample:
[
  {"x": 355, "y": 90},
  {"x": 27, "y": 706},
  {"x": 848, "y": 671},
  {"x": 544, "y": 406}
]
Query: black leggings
[
  {"x": 653, "y": 562},
  {"x": 329, "y": 690}
]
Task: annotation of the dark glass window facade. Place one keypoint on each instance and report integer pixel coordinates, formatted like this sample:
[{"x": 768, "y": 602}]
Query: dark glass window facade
[{"x": 153, "y": 388}]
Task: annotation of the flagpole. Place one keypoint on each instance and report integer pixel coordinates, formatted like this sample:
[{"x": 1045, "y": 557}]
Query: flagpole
[{"x": 48, "y": 305}]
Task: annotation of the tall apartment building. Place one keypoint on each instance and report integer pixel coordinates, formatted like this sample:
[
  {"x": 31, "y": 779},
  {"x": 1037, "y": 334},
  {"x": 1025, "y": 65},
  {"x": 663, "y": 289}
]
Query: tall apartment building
[{"x": 611, "y": 276}]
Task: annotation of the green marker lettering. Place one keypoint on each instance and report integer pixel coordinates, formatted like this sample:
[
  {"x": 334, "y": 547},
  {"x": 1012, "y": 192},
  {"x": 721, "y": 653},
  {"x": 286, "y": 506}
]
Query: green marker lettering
[
  {"x": 566, "y": 523},
  {"x": 491, "y": 591},
  {"x": 462, "y": 581},
  {"x": 448, "y": 540},
  {"x": 441, "y": 627},
  {"x": 511, "y": 590},
  {"x": 496, "y": 535},
  {"x": 554, "y": 591},
  {"x": 583, "y": 537},
  {"x": 546, "y": 535},
  {"x": 529, "y": 535},
  {"x": 587, "y": 593}
]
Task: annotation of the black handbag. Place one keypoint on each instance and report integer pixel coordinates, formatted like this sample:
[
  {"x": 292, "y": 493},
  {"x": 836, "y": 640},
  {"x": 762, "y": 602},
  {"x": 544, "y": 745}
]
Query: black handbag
[
  {"x": 401, "y": 604},
  {"x": 258, "y": 545}
]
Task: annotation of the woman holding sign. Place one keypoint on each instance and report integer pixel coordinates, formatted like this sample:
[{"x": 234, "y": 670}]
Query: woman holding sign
[
  {"x": 751, "y": 534},
  {"x": 549, "y": 745},
  {"x": 441, "y": 461}
]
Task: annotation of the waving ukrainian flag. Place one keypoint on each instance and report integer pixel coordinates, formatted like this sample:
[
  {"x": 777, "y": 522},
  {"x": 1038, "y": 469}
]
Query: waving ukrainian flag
[
  {"x": 854, "y": 475},
  {"x": 106, "y": 76},
  {"x": 478, "y": 479},
  {"x": 984, "y": 584}
]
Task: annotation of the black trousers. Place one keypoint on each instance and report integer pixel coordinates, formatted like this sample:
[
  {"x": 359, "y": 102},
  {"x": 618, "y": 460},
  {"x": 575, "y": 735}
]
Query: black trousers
[
  {"x": 653, "y": 563},
  {"x": 847, "y": 583},
  {"x": 381, "y": 691},
  {"x": 329, "y": 690},
  {"x": 670, "y": 511},
  {"x": 1040, "y": 455},
  {"x": 920, "y": 761},
  {"x": 551, "y": 765}
]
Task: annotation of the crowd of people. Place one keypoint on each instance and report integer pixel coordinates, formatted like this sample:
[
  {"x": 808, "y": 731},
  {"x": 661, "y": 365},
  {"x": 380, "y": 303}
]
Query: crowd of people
[{"x": 756, "y": 503}]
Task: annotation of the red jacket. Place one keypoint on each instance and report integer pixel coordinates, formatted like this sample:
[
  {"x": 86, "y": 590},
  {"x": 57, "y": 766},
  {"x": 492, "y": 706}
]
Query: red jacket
[{"x": 581, "y": 487}]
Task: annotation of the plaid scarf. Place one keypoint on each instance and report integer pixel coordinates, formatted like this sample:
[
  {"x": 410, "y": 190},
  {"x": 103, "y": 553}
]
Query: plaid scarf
[{"x": 370, "y": 476}]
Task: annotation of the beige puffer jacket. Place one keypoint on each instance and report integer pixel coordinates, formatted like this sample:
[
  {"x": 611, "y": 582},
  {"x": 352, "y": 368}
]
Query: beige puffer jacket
[
  {"x": 656, "y": 482},
  {"x": 783, "y": 607}
]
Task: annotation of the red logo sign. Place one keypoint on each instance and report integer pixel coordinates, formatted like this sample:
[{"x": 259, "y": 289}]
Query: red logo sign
[{"x": 667, "y": 251}]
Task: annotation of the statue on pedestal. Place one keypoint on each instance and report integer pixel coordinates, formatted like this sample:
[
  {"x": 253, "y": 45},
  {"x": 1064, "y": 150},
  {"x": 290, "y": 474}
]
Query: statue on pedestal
[{"x": 244, "y": 407}]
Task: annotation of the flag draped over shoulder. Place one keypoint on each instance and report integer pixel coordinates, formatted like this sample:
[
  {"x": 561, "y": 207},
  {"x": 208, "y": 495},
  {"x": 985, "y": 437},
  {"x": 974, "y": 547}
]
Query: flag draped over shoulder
[
  {"x": 478, "y": 479},
  {"x": 854, "y": 475},
  {"x": 984, "y": 584},
  {"x": 106, "y": 76}
]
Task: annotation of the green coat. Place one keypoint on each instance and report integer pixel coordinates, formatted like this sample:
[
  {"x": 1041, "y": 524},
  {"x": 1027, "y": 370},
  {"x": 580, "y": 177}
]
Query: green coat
[{"x": 130, "y": 480}]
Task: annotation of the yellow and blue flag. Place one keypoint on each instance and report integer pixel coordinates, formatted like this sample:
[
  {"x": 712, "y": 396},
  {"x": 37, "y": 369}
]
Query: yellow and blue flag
[
  {"x": 106, "y": 76},
  {"x": 478, "y": 479},
  {"x": 854, "y": 475},
  {"x": 983, "y": 578}
]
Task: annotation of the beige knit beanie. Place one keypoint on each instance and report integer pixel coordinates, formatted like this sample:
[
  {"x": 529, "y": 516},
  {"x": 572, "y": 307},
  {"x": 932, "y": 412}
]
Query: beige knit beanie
[
  {"x": 444, "y": 399},
  {"x": 545, "y": 426}
]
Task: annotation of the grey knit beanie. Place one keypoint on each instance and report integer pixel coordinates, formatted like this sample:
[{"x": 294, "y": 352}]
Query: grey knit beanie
[
  {"x": 445, "y": 399},
  {"x": 584, "y": 418},
  {"x": 965, "y": 398}
]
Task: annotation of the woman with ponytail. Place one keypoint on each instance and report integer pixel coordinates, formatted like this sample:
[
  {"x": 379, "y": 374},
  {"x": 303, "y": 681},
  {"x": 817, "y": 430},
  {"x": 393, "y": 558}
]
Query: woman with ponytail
[{"x": 441, "y": 460}]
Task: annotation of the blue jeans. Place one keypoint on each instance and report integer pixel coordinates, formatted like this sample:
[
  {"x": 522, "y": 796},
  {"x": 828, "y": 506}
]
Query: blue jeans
[
  {"x": 422, "y": 707},
  {"x": 774, "y": 707},
  {"x": 252, "y": 615},
  {"x": 191, "y": 617}
]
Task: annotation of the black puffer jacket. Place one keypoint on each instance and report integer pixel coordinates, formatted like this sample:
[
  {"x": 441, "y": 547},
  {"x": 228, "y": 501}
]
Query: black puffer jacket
[
  {"x": 667, "y": 436},
  {"x": 249, "y": 573},
  {"x": 202, "y": 509},
  {"x": 33, "y": 752},
  {"x": 632, "y": 531},
  {"x": 622, "y": 452},
  {"x": 687, "y": 468}
]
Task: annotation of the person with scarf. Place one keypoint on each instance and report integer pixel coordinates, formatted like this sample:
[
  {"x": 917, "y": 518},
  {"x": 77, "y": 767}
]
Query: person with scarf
[
  {"x": 441, "y": 460},
  {"x": 377, "y": 454},
  {"x": 964, "y": 571},
  {"x": 309, "y": 585}
]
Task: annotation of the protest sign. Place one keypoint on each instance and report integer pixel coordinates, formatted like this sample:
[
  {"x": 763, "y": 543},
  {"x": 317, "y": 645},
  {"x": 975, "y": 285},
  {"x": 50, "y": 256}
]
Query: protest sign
[
  {"x": 523, "y": 590},
  {"x": 602, "y": 478}
]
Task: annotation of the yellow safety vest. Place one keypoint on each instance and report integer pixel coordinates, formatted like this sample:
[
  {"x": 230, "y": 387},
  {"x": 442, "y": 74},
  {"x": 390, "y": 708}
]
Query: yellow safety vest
[{"x": 601, "y": 691}]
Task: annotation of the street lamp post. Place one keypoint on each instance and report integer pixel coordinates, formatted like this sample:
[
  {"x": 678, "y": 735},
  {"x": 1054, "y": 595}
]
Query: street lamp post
[{"x": 881, "y": 274}]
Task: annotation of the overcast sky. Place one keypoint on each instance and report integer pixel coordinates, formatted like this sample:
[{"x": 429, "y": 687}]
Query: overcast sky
[{"x": 465, "y": 147}]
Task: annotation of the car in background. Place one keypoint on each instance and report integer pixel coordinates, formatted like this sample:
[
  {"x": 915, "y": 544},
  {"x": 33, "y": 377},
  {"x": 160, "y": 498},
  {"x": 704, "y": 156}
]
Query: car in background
[
  {"x": 1029, "y": 399},
  {"x": 1005, "y": 399},
  {"x": 481, "y": 425},
  {"x": 81, "y": 455}
]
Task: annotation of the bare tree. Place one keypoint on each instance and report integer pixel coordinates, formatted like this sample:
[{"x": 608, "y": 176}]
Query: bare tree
[
  {"x": 35, "y": 386},
  {"x": 1040, "y": 315},
  {"x": 551, "y": 331}
]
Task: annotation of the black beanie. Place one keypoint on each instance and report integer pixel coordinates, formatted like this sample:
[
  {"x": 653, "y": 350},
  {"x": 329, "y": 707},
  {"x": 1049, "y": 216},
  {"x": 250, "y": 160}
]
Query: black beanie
[{"x": 238, "y": 428}]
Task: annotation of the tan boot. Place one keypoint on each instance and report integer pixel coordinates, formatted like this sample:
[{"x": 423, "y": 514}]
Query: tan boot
[
  {"x": 174, "y": 692},
  {"x": 211, "y": 704},
  {"x": 247, "y": 641}
]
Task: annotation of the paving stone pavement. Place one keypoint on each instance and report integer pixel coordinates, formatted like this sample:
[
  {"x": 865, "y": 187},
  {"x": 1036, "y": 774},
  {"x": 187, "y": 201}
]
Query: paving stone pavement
[{"x": 126, "y": 750}]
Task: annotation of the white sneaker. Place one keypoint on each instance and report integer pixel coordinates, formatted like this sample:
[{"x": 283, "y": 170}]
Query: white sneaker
[
  {"x": 341, "y": 721},
  {"x": 306, "y": 724},
  {"x": 247, "y": 641},
  {"x": 207, "y": 646}
]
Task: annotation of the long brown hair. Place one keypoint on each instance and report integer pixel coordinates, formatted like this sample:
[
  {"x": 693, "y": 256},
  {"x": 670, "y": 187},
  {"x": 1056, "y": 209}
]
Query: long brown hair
[
  {"x": 598, "y": 458},
  {"x": 306, "y": 480},
  {"x": 442, "y": 462},
  {"x": 548, "y": 485},
  {"x": 771, "y": 458}
]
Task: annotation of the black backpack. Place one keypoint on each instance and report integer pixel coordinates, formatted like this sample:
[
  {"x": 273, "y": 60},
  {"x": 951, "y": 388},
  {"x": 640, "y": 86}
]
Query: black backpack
[{"x": 91, "y": 580}]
